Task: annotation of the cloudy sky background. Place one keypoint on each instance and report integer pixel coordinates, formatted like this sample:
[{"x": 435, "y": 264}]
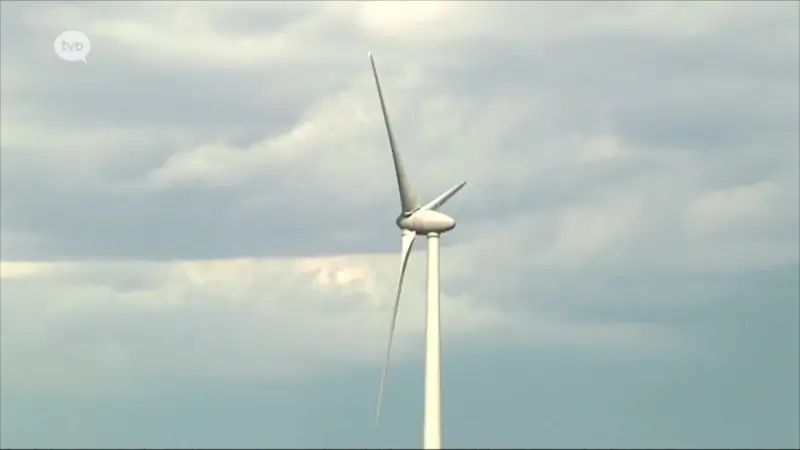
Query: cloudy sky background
[{"x": 198, "y": 241}]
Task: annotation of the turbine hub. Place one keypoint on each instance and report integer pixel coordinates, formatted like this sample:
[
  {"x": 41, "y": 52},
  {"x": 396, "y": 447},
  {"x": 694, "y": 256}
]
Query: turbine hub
[{"x": 425, "y": 222}]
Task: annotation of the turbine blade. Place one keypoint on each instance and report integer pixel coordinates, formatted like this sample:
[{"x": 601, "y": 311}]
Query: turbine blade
[
  {"x": 408, "y": 199},
  {"x": 408, "y": 242},
  {"x": 437, "y": 203}
]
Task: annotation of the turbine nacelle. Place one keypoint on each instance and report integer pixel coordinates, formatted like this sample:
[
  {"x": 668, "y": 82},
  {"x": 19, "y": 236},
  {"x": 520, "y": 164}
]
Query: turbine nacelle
[{"x": 426, "y": 222}]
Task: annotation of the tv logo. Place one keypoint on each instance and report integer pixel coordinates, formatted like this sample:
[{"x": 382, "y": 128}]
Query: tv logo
[{"x": 72, "y": 46}]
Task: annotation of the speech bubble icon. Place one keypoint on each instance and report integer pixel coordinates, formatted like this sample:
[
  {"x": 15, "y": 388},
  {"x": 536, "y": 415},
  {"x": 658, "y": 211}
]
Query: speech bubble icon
[{"x": 72, "y": 46}]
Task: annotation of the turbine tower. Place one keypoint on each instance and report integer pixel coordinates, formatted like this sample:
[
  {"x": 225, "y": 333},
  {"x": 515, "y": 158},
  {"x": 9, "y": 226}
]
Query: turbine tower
[{"x": 413, "y": 220}]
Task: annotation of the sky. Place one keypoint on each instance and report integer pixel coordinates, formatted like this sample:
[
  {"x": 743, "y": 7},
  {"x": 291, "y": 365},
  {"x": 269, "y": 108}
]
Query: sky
[{"x": 199, "y": 249}]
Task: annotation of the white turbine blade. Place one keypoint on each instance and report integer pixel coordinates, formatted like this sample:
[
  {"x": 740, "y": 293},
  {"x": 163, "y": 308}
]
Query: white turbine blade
[
  {"x": 442, "y": 199},
  {"x": 408, "y": 199},
  {"x": 408, "y": 242}
]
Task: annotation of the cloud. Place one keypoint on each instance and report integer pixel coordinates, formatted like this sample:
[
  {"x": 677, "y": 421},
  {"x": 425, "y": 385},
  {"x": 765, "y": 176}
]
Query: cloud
[
  {"x": 725, "y": 208},
  {"x": 211, "y": 196},
  {"x": 261, "y": 132},
  {"x": 246, "y": 320}
]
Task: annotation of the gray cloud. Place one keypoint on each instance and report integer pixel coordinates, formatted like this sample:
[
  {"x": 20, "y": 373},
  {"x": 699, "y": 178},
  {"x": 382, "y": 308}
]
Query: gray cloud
[{"x": 530, "y": 108}]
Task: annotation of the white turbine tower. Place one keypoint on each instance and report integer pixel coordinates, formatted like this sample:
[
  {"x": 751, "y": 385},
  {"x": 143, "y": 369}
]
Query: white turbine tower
[{"x": 413, "y": 220}]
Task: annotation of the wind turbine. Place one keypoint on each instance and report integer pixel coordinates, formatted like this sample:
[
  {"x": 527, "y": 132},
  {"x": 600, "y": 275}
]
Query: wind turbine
[{"x": 413, "y": 220}]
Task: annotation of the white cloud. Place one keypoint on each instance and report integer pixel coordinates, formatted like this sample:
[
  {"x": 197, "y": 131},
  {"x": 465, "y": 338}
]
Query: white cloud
[
  {"x": 331, "y": 135},
  {"x": 78, "y": 325},
  {"x": 723, "y": 209},
  {"x": 586, "y": 232},
  {"x": 9, "y": 270}
]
